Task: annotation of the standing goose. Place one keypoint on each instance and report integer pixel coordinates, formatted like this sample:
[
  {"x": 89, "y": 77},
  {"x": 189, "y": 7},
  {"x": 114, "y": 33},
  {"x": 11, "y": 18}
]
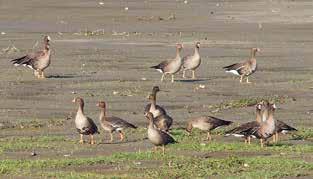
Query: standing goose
[
  {"x": 112, "y": 124},
  {"x": 267, "y": 127},
  {"x": 84, "y": 124},
  {"x": 157, "y": 137},
  {"x": 246, "y": 68},
  {"x": 243, "y": 130},
  {"x": 192, "y": 62},
  {"x": 153, "y": 107},
  {"x": 171, "y": 66},
  {"x": 281, "y": 127},
  {"x": 206, "y": 123},
  {"x": 37, "y": 61},
  {"x": 161, "y": 119}
]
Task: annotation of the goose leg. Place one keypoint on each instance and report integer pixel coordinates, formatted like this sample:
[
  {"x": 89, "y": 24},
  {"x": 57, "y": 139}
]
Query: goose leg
[
  {"x": 246, "y": 140},
  {"x": 241, "y": 77},
  {"x": 193, "y": 74},
  {"x": 92, "y": 141},
  {"x": 248, "y": 80},
  {"x": 262, "y": 143},
  {"x": 184, "y": 72},
  {"x": 163, "y": 149},
  {"x": 162, "y": 78},
  {"x": 209, "y": 137},
  {"x": 121, "y": 135},
  {"x": 276, "y": 137},
  {"x": 249, "y": 140},
  {"x": 43, "y": 75},
  {"x": 111, "y": 136},
  {"x": 81, "y": 141},
  {"x": 172, "y": 78},
  {"x": 36, "y": 73}
]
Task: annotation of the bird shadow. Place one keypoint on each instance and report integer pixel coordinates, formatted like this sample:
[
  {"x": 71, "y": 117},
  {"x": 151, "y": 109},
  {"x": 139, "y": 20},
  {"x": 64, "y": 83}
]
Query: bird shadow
[
  {"x": 192, "y": 80},
  {"x": 61, "y": 76},
  {"x": 122, "y": 142}
]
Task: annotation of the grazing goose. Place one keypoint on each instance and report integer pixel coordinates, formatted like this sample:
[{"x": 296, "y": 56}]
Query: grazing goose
[
  {"x": 246, "y": 68},
  {"x": 192, "y": 62},
  {"x": 153, "y": 107},
  {"x": 206, "y": 123},
  {"x": 281, "y": 127},
  {"x": 243, "y": 130},
  {"x": 171, "y": 66},
  {"x": 157, "y": 137},
  {"x": 112, "y": 124},
  {"x": 37, "y": 61},
  {"x": 84, "y": 124}
]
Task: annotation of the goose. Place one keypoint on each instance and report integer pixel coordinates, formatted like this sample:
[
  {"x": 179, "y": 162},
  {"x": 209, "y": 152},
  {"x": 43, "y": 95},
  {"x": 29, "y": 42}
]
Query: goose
[
  {"x": 245, "y": 68},
  {"x": 112, "y": 124},
  {"x": 206, "y": 123},
  {"x": 170, "y": 66},
  {"x": 156, "y": 136},
  {"x": 153, "y": 107},
  {"x": 84, "y": 124},
  {"x": 192, "y": 62},
  {"x": 38, "y": 61},
  {"x": 243, "y": 129}
]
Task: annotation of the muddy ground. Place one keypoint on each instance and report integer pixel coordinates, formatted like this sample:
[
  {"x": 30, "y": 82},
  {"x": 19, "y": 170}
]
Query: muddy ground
[{"x": 101, "y": 51}]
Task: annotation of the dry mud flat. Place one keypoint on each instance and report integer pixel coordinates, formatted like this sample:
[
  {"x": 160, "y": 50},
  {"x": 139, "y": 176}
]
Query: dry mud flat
[{"x": 103, "y": 52}]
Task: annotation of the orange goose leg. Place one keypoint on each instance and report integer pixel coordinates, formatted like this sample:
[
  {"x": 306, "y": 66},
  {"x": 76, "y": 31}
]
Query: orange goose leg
[
  {"x": 262, "y": 143},
  {"x": 81, "y": 141},
  {"x": 92, "y": 141},
  {"x": 184, "y": 71},
  {"x": 241, "y": 77},
  {"x": 209, "y": 137},
  {"x": 163, "y": 149},
  {"x": 111, "y": 137},
  {"x": 172, "y": 78},
  {"x": 193, "y": 74},
  {"x": 162, "y": 78},
  {"x": 249, "y": 140},
  {"x": 121, "y": 135},
  {"x": 248, "y": 80}
]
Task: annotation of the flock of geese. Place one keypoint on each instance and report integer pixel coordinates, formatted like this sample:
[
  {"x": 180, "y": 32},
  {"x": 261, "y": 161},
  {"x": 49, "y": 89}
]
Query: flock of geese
[{"x": 159, "y": 122}]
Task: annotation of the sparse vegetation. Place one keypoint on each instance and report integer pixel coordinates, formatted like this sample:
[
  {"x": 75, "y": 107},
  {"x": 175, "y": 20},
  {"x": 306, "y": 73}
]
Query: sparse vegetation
[
  {"x": 249, "y": 102},
  {"x": 190, "y": 157}
]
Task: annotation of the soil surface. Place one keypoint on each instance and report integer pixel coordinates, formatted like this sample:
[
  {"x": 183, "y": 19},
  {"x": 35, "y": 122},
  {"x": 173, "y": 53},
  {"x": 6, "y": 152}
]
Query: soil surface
[{"x": 103, "y": 51}]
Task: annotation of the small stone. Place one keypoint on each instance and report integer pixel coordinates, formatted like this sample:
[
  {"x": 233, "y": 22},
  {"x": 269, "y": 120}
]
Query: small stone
[
  {"x": 115, "y": 92},
  {"x": 143, "y": 79},
  {"x": 186, "y": 2},
  {"x": 101, "y": 3},
  {"x": 126, "y": 8},
  {"x": 202, "y": 86},
  {"x": 33, "y": 153},
  {"x": 245, "y": 165},
  {"x": 3, "y": 33}
]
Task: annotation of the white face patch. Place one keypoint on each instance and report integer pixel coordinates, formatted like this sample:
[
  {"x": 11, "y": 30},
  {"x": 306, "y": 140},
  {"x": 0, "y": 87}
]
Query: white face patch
[{"x": 49, "y": 38}]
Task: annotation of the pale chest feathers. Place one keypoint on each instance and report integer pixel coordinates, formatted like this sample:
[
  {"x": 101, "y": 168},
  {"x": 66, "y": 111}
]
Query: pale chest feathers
[
  {"x": 154, "y": 136},
  {"x": 81, "y": 120},
  {"x": 193, "y": 62}
]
